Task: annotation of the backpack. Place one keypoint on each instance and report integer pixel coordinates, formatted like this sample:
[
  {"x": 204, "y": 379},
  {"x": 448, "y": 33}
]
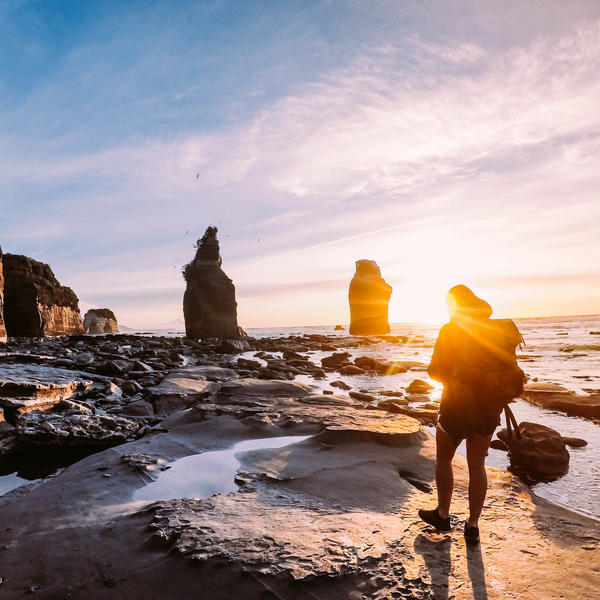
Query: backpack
[{"x": 488, "y": 365}]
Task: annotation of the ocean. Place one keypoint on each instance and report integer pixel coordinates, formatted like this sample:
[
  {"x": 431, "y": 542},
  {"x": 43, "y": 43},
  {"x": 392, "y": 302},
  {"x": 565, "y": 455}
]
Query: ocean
[{"x": 560, "y": 350}]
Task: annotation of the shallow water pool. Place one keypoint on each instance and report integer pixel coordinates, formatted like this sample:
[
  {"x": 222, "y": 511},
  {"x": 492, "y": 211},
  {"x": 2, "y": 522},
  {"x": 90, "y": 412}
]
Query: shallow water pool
[{"x": 209, "y": 473}]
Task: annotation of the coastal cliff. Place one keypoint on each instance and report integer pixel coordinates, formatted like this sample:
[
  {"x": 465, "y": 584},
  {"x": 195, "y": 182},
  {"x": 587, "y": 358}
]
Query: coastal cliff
[
  {"x": 35, "y": 303},
  {"x": 209, "y": 305},
  {"x": 368, "y": 296}
]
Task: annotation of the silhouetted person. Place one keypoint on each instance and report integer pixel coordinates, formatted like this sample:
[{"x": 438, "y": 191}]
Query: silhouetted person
[{"x": 475, "y": 360}]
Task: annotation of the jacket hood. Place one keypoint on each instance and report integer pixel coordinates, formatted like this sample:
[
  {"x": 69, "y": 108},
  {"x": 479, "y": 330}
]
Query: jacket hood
[{"x": 463, "y": 304}]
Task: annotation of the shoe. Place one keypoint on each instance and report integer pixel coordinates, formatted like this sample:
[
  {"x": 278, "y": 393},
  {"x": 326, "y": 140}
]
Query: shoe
[
  {"x": 432, "y": 517},
  {"x": 471, "y": 534}
]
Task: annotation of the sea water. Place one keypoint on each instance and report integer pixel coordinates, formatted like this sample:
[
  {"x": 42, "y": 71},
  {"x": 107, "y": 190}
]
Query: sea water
[{"x": 562, "y": 350}]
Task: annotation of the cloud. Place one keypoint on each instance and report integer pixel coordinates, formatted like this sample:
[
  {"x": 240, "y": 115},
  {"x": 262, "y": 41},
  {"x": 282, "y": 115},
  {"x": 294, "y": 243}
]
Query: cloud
[{"x": 415, "y": 153}]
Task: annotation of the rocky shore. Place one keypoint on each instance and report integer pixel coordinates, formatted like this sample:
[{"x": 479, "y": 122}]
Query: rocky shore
[{"x": 333, "y": 516}]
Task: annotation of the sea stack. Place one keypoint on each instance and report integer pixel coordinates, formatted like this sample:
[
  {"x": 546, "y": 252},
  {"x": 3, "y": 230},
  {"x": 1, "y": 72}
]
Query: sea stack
[
  {"x": 369, "y": 296},
  {"x": 2, "y": 327},
  {"x": 100, "y": 320},
  {"x": 209, "y": 305},
  {"x": 35, "y": 304}
]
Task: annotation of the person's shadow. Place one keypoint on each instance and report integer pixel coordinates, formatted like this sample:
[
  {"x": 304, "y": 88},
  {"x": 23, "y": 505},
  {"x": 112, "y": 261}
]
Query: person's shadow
[
  {"x": 435, "y": 550},
  {"x": 476, "y": 572}
]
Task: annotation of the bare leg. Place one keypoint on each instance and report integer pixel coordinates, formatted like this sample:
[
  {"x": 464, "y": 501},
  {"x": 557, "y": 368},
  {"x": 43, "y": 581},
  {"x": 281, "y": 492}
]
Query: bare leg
[
  {"x": 477, "y": 447},
  {"x": 444, "y": 477}
]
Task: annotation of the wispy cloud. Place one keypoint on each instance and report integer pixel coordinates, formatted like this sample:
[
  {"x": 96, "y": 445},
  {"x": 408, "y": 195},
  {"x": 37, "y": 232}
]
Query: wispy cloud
[{"x": 441, "y": 159}]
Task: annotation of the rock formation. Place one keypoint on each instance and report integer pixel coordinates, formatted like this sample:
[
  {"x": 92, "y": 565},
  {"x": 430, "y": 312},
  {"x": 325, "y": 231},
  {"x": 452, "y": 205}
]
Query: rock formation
[
  {"x": 2, "y": 327},
  {"x": 35, "y": 304},
  {"x": 368, "y": 295},
  {"x": 209, "y": 305},
  {"x": 100, "y": 320}
]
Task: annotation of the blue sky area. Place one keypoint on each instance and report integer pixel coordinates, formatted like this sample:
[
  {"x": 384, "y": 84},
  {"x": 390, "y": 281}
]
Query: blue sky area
[{"x": 450, "y": 141}]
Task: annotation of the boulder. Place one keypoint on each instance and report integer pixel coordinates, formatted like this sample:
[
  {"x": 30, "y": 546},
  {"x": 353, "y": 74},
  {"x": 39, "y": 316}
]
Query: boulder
[
  {"x": 100, "y": 320},
  {"x": 540, "y": 454},
  {"x": 180, "y": 390},
  {"x": 209, "y": 305},
  {"x": 2, "y": 327},
  {"x": 35, "y": 304},
  {"x": 418, "y": 386},
  {"x": 351, "y": 370},
  {"x": 335, "y": 361},
  {"x": 368, "y": 296}
]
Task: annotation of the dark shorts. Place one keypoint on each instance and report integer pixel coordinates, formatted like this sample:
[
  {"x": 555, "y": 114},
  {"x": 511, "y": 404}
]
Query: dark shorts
[{"x": 461, "y": 418}]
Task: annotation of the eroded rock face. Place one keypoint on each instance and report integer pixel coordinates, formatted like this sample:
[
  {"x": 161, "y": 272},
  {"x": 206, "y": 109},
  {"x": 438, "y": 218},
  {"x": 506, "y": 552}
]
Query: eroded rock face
[
  {"x": 35, "y": 304},
  {"x": 2, "y": 327},
  {"x": 209, "y": 305},
  {"x": 369, "y": 296},
  {"x": 100, "y": 320},
  {"x": 52, "y": 429}
]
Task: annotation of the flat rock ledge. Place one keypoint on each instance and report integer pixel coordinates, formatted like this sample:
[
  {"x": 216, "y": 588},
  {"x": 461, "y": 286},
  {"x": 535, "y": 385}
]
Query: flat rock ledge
[
  {"x": 52, "y": 429},
  {"x": 555, "y": 397}
]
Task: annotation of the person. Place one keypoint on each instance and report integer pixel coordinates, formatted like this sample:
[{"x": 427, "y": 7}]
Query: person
[{"x": 472, "y": 356}]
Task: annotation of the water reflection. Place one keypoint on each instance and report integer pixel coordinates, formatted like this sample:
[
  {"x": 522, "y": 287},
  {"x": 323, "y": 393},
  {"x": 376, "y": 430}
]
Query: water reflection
[{"x": 203, "y": 475}]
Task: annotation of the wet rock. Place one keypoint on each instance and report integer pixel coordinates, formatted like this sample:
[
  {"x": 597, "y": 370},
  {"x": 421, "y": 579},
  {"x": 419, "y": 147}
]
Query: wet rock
[
  {"x": 209, "y": 305},
  {"x": 256, "y": 387},
  {"x": 427, "y": 416},
  {"x": 115, "y": 367},
  {"x": 27, "y": 387},
  {"x": 540, "y": 453},
  {"x": 211, "y": 372},
  {"x": 368, "y": 296},
  {"x": 179, "y": 390},
  {"x": 341, "y": 385},
  {"x": 138, "y": 408},
  {"x": 232, "y": 347},
  {"x": 6, "y": 429},
  {"x": 335, "y": 361},
  {"x": 351, "y": 370},
  {"x": 365, "y": 362},
  {"x": 100, "y": 321},
  {"x": 363, "y": 397},
  {"x": 554, "y": 397},
  {"x": 418, "y": 386},
  {"x": 395, "y": 406},
  {"x": 35, "y": 304},
  {"x": 392, "y": 393},
  {"x": 52, "y": 429},
  {"x": 389, "y": 368},
  {"x": 130, "y": 388}
]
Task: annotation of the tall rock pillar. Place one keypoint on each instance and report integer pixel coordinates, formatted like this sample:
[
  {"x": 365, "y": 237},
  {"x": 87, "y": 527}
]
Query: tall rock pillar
[
  {"x": 369, "y": 296},
  {"x": 209, "y": 306}
]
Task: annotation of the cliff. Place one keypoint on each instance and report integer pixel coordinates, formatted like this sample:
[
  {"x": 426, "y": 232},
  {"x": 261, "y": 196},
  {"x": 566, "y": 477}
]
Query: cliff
[
  {"x": 100, "y": 320},
  {"x": 369, "y": 296},
  {"x": 35, "y": 304},
  {"x": 209, "y": 305}
]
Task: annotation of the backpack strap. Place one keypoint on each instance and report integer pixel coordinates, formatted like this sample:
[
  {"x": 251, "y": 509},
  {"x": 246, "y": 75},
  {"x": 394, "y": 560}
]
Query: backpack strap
[{"x": 511, "y": 422}]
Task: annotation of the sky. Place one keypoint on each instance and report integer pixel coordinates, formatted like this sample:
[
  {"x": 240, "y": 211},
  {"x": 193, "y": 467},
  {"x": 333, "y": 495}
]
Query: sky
[{"x": 450, "y": 141}]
